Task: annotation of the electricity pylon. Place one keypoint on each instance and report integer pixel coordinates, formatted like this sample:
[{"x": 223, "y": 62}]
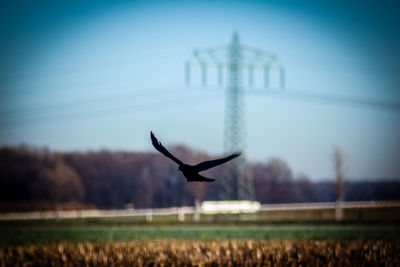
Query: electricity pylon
[{"x": 235, "y": 57}]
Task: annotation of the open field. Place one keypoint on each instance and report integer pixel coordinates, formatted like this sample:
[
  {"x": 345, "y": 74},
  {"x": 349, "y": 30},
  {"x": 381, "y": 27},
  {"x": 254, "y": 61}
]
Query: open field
[
  {"x": 49, "y": 243},
  {"x": 302, "y": 236},
  {"x": 206, "y": 253}
]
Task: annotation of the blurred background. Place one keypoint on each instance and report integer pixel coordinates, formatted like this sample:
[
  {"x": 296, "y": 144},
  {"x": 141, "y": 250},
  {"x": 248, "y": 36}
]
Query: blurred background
[{"x": 310, "y": 91}]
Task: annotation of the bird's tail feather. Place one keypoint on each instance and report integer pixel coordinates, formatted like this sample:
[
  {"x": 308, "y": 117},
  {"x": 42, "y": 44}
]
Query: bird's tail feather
[{"x": 200, "y": 178}]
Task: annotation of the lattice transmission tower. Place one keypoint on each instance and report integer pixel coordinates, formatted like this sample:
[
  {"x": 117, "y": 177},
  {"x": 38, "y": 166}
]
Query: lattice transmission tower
[{"x": 237, "y": 182}]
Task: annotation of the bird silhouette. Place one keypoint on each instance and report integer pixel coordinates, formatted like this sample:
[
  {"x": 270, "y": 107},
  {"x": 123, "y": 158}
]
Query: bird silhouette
[{"x": 191, "y": 172}]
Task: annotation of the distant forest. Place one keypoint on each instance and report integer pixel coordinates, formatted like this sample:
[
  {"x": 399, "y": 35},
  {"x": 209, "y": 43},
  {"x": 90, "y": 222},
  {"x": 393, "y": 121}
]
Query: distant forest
[{"x": 37, "y": 179}]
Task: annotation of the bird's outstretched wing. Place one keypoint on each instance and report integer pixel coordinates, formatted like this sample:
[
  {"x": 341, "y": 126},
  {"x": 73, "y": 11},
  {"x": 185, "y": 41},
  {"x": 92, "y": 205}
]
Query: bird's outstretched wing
[
  {"x": 205, "y": 165},
  {"x": 162, "y": 149}
]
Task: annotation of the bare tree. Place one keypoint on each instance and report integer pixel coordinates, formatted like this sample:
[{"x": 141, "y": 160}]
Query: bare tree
[
  {"x": 62, "y": 182},
  {"x": 273, "y": 181},
  {"x": 338, "y": 167}
]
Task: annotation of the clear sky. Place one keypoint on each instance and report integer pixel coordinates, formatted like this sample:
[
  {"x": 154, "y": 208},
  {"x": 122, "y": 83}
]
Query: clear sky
[{"x": 79, "y": 75}]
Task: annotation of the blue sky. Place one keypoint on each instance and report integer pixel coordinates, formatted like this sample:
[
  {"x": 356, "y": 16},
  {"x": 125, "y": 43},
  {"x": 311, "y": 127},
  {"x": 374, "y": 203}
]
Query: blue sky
[{"x": 93, "y": 75}]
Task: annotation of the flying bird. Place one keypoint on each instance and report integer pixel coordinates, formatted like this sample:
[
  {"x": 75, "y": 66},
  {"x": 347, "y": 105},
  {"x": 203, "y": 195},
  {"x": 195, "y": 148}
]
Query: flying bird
[{"x": 191, "y": 172}]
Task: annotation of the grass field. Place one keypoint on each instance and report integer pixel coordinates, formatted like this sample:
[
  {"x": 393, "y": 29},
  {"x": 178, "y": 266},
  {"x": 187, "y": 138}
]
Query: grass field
[{"x": 24, "y": 234}]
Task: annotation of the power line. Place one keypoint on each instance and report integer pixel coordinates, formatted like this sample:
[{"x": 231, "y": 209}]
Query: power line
[
  {"x": 319, "y": 97},
  {"x": 336, "y": 99},
  {"x": 82, "y": 103},
  {"x": 294, "y": 94},
  {"x": 290, "y": 93},
  {"x": 105, "y": 112}
]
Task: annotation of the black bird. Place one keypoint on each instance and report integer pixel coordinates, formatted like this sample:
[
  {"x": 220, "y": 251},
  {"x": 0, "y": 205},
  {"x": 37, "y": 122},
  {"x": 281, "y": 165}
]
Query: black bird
[{"x": 191, "y": 172}]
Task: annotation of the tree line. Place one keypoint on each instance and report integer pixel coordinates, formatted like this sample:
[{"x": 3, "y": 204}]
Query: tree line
[{"x": 37, "y": 178}]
